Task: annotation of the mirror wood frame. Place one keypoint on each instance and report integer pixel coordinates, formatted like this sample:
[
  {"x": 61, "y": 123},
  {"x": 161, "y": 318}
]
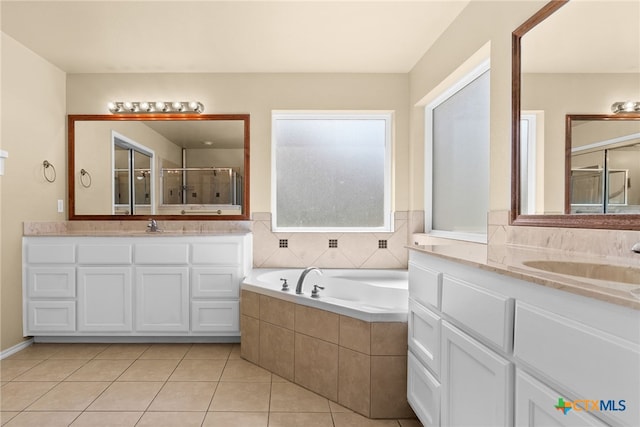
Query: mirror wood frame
[
  {"x": 71, "y": 143},
  {"x": 599, "y": 221}
]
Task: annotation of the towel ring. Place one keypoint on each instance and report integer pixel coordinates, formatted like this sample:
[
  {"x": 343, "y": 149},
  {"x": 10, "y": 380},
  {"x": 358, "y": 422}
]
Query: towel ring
[
  {"x": 86, "y": 183},
  {"x": 46, "y": 166}
]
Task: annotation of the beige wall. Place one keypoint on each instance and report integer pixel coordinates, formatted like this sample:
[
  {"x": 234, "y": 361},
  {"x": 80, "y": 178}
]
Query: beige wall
[
  {"x": 258, "y": 95},
  {"x": 479, "y": 23},
  {"x": 33, "y": 130},
  {"x": 561, "y": 94}
]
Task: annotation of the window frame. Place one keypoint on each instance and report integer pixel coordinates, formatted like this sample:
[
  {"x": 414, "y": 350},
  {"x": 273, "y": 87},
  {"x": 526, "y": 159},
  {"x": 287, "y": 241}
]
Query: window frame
[
  {"x": 386, "y": 115},
  {"x": 447, "y": 93}
]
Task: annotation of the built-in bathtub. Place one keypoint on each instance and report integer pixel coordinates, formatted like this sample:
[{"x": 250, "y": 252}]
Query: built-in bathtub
[
  {"x": 349, "y": 345},
  {"x": 369, "y": 295}
]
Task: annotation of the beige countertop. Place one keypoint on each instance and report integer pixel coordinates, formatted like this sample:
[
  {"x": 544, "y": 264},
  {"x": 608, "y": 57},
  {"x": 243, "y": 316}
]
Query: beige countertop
[
  {"x": 135, "y": 228},
  {"x": 510, "y": 260}
]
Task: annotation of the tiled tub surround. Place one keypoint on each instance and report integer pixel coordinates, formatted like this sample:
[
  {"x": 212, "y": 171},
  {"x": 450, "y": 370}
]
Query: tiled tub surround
[{"x": 360, "y": 365}]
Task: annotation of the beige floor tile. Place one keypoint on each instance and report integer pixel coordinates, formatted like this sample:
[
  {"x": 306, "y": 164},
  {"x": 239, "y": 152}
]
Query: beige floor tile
[
  {"x": 278, "y": 379},
  {"x": 149, "y": 370},
  {"x": 235, "y": 352},
  {"x": 296, "y": 419},
  {"x": 357, "y": 420},
  {"x": 16, "y": 396},
  {"x": 198, "y": 370},
  {"x": 11, "y": 368},
  {"x": 126, "y": 396},
  {"x": 78, "y": 351},
  {"x": 69, "y": 396},
  {"x": 209, "y": 351},
  {"x": 184, "y": 396},
  {"x": 100, "y": 370},
  {"x": 36, "y": 351},
  {"x": 166, "y": 351},
  {"x": 289, "y": 397},
  {"x": 410, "y": 423},
  {"x": 243, "y": 371},
  {"x": 336, "y": 407},
  {"x": 236, "y": 419},
  {"x": 107, "y": 419},
  {"x": 243, "y": 397},
  {"x": 172, "y": 419},
  {"x": 5, "y": 417},
  {"x": 43, "y": 419},
  {"x": 52, "y": 370},
  {"x": 123, "y": 351}
]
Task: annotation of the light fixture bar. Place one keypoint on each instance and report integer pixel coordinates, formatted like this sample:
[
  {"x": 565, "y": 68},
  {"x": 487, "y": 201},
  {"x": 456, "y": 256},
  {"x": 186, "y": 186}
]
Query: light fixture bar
[
  {"x": 143, "y": 107},
  {"x": 625, "y": 107}
]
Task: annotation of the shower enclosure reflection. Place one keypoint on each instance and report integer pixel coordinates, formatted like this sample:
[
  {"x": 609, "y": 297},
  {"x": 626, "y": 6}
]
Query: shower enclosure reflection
[{"x": 169, "y": 166}]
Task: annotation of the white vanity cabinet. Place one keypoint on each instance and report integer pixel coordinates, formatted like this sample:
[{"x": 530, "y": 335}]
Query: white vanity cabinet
[
  {"x": 134, "y": 286},
  {"x": 49, "y": 286},
  {"x": 490, "y": 349}
]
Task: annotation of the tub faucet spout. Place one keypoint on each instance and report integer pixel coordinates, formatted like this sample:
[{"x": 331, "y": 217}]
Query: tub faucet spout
[
  {"x": 636, "y": 248},
  {"x": 303, "y": 275}
]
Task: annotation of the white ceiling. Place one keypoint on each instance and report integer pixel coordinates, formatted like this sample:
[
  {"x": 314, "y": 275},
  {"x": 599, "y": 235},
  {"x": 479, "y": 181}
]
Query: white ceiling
[
  {"x": 229, "y": 36},
  {"x": 372, "y": 36}
]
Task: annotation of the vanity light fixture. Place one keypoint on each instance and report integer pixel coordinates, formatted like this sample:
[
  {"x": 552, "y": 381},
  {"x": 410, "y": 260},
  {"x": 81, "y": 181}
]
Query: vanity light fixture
[
  {"x": 625, "y": 107},
  {"x": 129, "y": 107}
]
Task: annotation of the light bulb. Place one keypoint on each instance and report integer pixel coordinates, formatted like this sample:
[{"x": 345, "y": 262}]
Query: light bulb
[
  {"x": 113, "y": 107},
  {"x": 178, "y": 106},
  {"x": 145, "y": 106}
]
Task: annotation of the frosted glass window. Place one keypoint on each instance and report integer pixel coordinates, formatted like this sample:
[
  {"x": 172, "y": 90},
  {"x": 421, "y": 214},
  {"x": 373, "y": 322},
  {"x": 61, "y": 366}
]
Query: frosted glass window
[
  {"x": 460, "y": 160},
  {"x": 331, "y": 171}
]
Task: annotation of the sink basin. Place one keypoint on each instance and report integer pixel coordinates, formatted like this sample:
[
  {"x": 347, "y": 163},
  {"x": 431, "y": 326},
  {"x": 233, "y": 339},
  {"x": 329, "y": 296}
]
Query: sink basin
[{"x": 611, "y": 273}]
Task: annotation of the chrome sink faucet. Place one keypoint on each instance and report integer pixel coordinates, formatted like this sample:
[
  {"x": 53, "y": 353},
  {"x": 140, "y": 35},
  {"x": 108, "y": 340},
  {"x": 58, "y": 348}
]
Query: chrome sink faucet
[
  {"x": 303, "y": 275},
  {"x": 153, "y": 225},
  {"x": 636, "y": 248}
]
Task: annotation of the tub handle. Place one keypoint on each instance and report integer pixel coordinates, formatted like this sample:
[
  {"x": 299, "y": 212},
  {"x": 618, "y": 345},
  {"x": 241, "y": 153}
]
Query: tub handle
[
  {"x": 315, "y": 293},
  {"x": 285, "y": 285}
]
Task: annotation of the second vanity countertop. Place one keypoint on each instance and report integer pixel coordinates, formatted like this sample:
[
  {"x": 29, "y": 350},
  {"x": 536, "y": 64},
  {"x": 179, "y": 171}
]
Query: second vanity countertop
[{"x": 510, "y": 260}]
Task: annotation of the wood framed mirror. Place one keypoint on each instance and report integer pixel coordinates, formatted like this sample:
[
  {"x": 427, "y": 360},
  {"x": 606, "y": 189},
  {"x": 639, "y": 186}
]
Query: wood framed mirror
[
  {"x": 578, "y": 27},
  {"x": 165, "y": 166}
]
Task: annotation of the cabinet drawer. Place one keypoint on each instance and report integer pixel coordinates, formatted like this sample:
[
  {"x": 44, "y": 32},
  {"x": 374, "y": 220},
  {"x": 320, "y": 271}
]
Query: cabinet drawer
[
  {"x": 487, "y": 313},
  {"x": 223, "y": 253},
  {"x": 425, "y": 285},
  {"x": 534, "y": 406},
  {"x": 104, "y": 254},
  {"x": 588, "y": 362},
  {"x": 51, "y": 316},
  {"x": 62, "y": 253},
  {"x": 51, "y": 282},
  {"x": 424, "y": 335},
  {"x": 215, "y": 316},
  {"x": 175, "y": 253},
  {"x": 423, "y": 392},
  {"x": 212, "y": 282}
]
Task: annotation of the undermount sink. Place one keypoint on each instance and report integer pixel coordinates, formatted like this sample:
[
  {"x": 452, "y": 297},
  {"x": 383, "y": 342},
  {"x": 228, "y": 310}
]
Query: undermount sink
[{"x": 612, "y": 273}]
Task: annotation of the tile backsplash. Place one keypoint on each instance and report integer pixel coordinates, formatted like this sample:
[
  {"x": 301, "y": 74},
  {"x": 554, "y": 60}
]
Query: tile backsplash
[
  {"x": 599, "y": 243},
  {"x": 334, "y": 250}
]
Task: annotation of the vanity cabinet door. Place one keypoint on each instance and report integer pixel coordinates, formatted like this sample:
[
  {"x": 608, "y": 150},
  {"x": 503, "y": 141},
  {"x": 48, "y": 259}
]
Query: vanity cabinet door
[
  {"x": 104, "y": 299},
  {"x": 162, "y": 299},
  {"x": 536, "y": 406},
  {"x": 476, "y": 382}
]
